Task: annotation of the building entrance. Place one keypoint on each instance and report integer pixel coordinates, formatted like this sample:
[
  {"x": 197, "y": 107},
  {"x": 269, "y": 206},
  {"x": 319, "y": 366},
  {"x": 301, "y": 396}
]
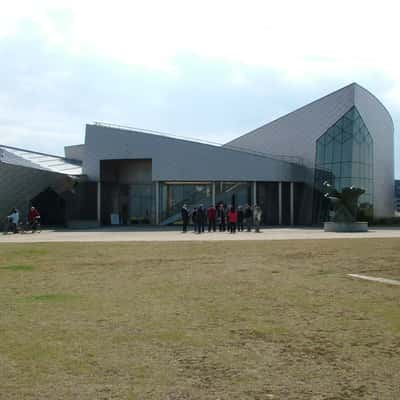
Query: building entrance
[
  {"x": 51, "y": 206},
  {"x": 140, "y": 204},
  {"x": 268, "y": 200},
  {"x": 282, "y": 203},
  {"x": 127, "y": 192}
]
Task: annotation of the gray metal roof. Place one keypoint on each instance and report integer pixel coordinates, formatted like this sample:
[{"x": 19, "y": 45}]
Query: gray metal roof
[{"x": 32, "y": 159}]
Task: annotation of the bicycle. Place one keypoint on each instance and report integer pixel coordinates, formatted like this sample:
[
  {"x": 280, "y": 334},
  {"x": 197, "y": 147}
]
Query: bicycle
[{"x": 33, "y": 227}]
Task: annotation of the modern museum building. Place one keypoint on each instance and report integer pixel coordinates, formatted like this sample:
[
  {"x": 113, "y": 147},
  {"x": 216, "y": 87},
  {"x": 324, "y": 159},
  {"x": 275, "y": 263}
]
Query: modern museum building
[{"x": 128, "y": 176}]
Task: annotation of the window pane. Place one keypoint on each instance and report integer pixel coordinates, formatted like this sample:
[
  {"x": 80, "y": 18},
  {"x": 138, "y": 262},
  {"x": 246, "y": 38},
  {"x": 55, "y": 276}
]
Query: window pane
[
  {"x": 347, "y": 150},
  {"x": 173, "y": 196},
  {"x": 335, "y": 170},
  {"x": 347, "y": 125},
  {"x": 328, "y": 153},
  {"x": 337, "y": 150},
  {"x": 346, "y": 170}
]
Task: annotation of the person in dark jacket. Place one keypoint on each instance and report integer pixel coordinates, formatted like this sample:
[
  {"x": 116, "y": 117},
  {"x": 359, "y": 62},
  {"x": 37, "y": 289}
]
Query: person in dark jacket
[
  {"x": 221, "y": 218},
  {"x": 201, "y": 218},
  {"x": 248, "y": 217},
  {"x": 33, "y": 218},
  {"x": 185, "y": 218},
  {"x": 211, "y": 216},
  {"x": 194, "y": 219},
  {"x": 240, "y": 218}
]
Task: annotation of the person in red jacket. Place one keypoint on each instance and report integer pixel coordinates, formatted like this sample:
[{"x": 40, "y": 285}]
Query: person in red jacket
[
  {"x": 33, "y": 218},
  {"x": 211, "y": 216},
  {"x": 232, "y": 219}
]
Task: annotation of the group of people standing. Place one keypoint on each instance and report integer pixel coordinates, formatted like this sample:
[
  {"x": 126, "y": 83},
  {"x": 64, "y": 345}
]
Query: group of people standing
[
  {"x": 226, "y": 219},
  {"x": 13, "y": 219}
]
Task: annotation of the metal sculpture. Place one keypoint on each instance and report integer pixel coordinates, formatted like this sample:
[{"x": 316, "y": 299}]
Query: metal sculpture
[{"x": 345, "y": 203}]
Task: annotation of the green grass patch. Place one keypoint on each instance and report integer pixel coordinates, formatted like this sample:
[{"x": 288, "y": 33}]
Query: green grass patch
[
  {"x": 17, "y": 267},
  {"x": 53, "y": 297},
  {"x": 32, "y": 252}
]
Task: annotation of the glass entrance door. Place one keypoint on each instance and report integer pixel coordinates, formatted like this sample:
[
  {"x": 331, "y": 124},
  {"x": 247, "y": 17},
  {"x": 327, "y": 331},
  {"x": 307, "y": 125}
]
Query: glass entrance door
[{"x": 141, "y": 204}]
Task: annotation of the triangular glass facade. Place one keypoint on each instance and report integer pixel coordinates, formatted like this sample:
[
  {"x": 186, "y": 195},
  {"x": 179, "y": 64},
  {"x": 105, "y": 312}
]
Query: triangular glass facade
[{"x": 344, "y": 157}]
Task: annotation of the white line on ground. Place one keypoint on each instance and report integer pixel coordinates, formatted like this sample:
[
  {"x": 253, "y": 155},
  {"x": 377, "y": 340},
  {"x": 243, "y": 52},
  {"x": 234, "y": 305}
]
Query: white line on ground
[{"x": 371, "y": 278}]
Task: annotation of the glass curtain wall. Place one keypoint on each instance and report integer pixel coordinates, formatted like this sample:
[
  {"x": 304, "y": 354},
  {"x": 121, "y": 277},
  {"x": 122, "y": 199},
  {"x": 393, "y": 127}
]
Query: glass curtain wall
[
  {"x": 233, "y": 193},
  {"x": 141, "y": 204},
  {"x": 174, "y": 195},
  {"x": 344, "y": 157}
]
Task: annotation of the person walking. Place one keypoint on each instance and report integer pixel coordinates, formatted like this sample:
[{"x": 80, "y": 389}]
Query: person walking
[
  {"x": 33, "y": 218},
  {"x": 13, "y": 220},
  {"x": 257, "y": 217},
  {"x": 211, "y": 216},
  {"x": 201, "y": 218},
  {"x": 240, "y": 218},
  {"x": 248, "y": 217},
  {"x": 185, "y": 218},
  {"x": 232, "y": 219},
  {"x": 194, "y": 219},
  {"x": 221, "y": 218}
]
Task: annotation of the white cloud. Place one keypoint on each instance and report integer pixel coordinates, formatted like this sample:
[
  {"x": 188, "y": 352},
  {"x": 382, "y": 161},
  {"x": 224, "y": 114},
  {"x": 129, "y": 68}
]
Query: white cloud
[
  {"x": 302, "y": 42},
  {"x": 297, "y": 38}
]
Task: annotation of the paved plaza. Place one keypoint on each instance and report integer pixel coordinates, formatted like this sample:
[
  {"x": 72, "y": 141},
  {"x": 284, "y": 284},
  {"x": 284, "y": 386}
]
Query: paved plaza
[{"x": 172, "y": 234}]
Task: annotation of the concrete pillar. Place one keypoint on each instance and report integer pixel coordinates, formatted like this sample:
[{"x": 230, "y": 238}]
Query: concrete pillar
[
  {"x": 291, "y": 203},
  {"x": 213, "y": 194},
  {"x": 280, "y": 202},
  {"x": 254, "y": 199},
  {"x": 99, "y": 202},
  {"x": 157, "y": 202}
]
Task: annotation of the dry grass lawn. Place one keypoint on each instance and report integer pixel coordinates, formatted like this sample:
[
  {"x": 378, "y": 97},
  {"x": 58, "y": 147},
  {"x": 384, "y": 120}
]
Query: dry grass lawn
[{"x": 212, "y": 320}]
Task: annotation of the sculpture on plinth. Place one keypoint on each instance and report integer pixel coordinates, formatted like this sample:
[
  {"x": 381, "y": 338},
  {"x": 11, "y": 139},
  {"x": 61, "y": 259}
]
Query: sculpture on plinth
[{"x": 345, "y": 209}]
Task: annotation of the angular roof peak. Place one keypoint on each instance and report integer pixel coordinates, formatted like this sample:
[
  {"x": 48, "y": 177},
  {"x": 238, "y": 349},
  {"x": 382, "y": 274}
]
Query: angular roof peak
[{"x": 347, "y": 92}]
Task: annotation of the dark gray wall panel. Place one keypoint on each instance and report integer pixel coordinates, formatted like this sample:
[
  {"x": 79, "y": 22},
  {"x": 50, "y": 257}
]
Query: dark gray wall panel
[{"x": 18, "y": 185}]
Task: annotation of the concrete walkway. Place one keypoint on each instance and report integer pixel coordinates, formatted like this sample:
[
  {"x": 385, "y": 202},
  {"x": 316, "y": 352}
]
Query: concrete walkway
[{"x": 167, "y": 234}]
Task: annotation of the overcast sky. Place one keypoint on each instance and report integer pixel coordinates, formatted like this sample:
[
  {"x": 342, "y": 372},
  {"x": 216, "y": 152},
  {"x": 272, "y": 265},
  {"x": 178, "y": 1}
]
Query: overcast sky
[{"x": 211, "y": 70}]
